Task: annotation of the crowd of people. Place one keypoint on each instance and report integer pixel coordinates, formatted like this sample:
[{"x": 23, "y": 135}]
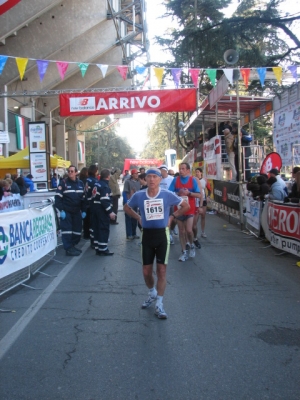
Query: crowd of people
[{"x": 14, "y": 184}]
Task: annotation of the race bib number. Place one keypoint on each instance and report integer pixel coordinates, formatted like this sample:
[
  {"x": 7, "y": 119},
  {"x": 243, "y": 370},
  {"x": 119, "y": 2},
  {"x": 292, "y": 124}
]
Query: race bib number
[
  {"x": 154, "y": 209},
  {"x": 185, "y": 198}
]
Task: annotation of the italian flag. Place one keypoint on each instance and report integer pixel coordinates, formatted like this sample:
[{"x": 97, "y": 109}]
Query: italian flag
[
  {"x": 80, "y": 150},
  {"x": 21, "y": 139},
  {"x": 5, "y": 5}
]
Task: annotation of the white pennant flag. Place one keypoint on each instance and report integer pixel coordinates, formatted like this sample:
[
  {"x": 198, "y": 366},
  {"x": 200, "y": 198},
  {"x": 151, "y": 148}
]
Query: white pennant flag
[
  {"x": 103, "y": 69},
  {"x": 229, "y": 74}
]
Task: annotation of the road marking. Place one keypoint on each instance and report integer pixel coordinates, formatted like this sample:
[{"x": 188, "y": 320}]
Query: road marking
[{"x": 13, "y": 334}]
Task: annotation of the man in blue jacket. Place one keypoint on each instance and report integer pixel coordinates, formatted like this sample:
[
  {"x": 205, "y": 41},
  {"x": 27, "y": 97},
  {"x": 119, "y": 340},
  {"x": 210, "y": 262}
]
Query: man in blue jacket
[{"x": 71, "y": 202}]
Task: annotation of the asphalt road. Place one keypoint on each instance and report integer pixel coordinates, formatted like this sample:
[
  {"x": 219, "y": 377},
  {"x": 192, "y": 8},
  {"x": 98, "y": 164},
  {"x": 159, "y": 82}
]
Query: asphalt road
[{"x": 233, "y": 327}]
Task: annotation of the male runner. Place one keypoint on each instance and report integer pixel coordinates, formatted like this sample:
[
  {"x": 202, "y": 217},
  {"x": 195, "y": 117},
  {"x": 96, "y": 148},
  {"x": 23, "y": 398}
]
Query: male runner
[
  {"x": 187, "y": 187},
  {"x": 154, "y": 204}
]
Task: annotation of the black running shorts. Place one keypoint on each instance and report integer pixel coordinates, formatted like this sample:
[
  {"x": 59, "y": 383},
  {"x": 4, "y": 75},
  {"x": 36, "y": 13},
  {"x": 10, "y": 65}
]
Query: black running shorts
[{"x": 155, "y": 242}]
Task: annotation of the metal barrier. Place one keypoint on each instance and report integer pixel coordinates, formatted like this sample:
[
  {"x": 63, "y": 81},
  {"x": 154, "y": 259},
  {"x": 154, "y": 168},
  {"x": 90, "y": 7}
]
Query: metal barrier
[{"x": 14, "y": 279}]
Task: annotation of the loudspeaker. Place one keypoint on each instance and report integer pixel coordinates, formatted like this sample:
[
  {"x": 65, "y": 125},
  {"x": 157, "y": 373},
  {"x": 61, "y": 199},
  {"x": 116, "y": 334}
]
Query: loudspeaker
[
  {"x": 181, "y": 124},
  {"x": 231, "y": 57}
]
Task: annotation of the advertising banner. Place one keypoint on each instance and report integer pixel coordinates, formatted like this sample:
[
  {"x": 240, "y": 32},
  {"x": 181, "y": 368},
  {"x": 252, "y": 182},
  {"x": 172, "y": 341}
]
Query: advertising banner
[
  {"x": 11, "y": 203},
  {"x": 283, "y": 222},
  {"x": 37, "y": 137},
  {"x": 287, "y": 133},
  {"x": 175, "y": 100},
  {"x": 254, "y": 209},
  {"x": 212, "y": 158},
  {"x": 227, "y": 193},
  {"x": 25, "y": 237},
  {"x": 38, "y": 167}
]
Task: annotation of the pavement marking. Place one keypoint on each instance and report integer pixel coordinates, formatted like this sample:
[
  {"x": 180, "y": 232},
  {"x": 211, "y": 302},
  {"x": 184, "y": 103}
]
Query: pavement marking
[{"x": 13, "y": 334}]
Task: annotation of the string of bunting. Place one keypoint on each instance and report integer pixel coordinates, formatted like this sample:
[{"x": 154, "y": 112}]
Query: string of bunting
[{"x": 62, "y": 66}]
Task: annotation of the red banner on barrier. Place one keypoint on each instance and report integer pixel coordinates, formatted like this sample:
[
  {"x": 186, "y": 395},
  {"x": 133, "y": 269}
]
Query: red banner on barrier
[{"x": 77, "y": 104}]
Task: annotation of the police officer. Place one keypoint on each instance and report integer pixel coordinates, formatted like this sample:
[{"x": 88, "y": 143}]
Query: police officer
[
  {"x": 90, "y": 183},
  {"x": 70, "y": 201},
  {"x": 102, "y": 213}
]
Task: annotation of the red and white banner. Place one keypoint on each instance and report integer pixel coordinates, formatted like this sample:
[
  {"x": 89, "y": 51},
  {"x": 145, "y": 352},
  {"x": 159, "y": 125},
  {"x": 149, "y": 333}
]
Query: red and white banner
[
  {"x": 5, "y": 5},
  {"x": 77, "y": 104},
  {"x": 212, "y": 158},
  {"x": 281, "y": 224}
]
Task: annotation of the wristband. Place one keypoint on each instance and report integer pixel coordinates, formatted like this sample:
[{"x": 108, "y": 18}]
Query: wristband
[{"x": 173, "y": 216}]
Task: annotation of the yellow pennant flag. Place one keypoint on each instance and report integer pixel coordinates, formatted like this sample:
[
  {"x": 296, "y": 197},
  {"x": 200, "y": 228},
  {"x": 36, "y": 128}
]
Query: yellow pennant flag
[
  {"x": 21, "y": 64},
  {"x": 278, "y": 73},
  {"x": 159, "y": 74}
]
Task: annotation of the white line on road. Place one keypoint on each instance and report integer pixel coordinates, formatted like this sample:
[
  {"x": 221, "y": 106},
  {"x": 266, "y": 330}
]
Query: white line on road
[{"x": 13, "y": 334}]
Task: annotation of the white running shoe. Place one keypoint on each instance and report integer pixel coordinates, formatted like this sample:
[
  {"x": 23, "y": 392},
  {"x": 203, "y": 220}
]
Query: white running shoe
[
  {"x": 151, "y": 299},
  {"x": 184, "y": 256},
  {"x": 192, "y": 252},
  {"x": 160, "y": 312},
  {"x": 203, "y": 234}
]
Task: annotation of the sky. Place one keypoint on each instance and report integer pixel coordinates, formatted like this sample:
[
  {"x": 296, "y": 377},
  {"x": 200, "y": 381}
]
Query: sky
[{"x": 135, "y": 128}]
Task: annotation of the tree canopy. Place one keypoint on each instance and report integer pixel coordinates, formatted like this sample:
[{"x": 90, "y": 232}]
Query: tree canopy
[{"x": 263, "y": 34}]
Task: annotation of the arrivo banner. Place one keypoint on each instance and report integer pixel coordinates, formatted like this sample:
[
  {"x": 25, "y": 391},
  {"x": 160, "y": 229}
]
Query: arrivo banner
[
  {"x": 176, "y": 100},
  {"x": 283, "y": 222}
]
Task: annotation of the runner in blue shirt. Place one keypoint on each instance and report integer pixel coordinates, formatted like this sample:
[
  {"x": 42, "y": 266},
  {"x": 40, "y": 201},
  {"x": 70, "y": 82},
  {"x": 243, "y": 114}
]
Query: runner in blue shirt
[{"x": 154, "y": 204}]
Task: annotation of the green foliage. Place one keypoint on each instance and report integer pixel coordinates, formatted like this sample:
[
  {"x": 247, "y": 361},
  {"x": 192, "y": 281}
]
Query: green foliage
[
  {"x": 161, "y": 136},
  {"x": 105, "y": 147},
  {"x": 258, "y": 31}
]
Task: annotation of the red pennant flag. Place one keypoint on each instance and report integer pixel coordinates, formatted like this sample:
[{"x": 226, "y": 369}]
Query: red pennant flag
[
  {"x": 123, "y": 71},
  {"x": 194, "y": 72},
  {"x": 245, "y": 74}
]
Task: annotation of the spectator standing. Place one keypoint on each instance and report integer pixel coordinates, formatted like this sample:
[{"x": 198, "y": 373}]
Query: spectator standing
[
  {"x": 125, "y": 176},
  {"x": 103, "y": 213},
  {"x": 14, "y": 188},
  {"x": 166, "y": 178},
  {"x": 294, "y": 196},
  {"x": 245, "y": 137},
  {"x": 54, "y": 181},
  {"x": 28, "y": 182},
  {"x": 142, "y": 170},
  {"x": 21, "y": 184},
  {"x": 71, "y": 202},
  {"x": 275, "y": 173},
  {"x": 229, "y": 145},
  {"x": 276, "y": 190},
  {"x": 89, "y": 186},
  {"x": 258, "y": 187},
  {"x": 186, "y": 186},
  {"x": 154, "y": 204},
  {"x": 115, "y": 192},
  {"x": 131, "y": 186},
  {"x": 83, "y": 175}
]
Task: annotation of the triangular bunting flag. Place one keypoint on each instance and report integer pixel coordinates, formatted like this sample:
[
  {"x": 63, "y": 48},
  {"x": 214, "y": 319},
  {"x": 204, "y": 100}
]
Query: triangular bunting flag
[
  {"x": 278, "y": 74},
  {"x": 103, "y": 68},
  {"x": 228, "y": 72},
  {"x": 140, "y": 70},
  {"x": 83, "y": 68},
  {"x": 3, "y": 60},
  {"x": 62, "y": 68},
  {"x": 194, "y": 72},
  {"x": 293, "y": 70},
  {"x": 159, "y": 74},
  {"x": 176, "y": 73},
  {"x": 245, "y": 74},
  {"x": 42, "y": 66},
  {"x": 262, "y": 75},
  {"x": 212, "y": 73},
  {"x": 123, "y": 69},
  {"x": 21, "y": 63}
]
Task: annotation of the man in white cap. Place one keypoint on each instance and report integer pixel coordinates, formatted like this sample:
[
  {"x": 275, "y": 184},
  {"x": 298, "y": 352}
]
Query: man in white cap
[
  {"x": 154, "y": 204},
  {"x": 166, "y": 178}
]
